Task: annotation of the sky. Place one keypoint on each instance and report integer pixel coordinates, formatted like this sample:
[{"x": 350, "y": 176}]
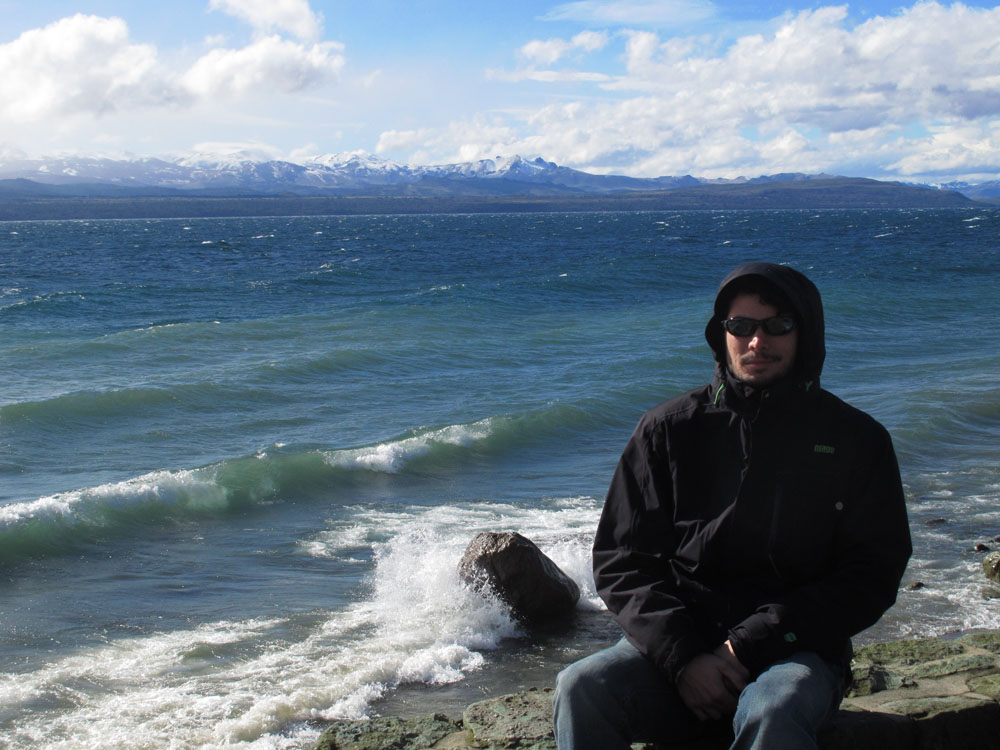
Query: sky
[{"x": 647, "y": 88}]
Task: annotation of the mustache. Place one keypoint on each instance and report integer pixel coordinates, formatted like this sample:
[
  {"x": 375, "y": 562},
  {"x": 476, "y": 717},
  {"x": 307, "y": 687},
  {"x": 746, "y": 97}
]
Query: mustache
[{"x": 748, "y": 358}]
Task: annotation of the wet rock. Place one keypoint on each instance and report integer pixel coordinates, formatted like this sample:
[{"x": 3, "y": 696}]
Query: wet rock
[
  {"x": 982, "y": 547},
  {"x": 388, "y": 733},
  {"x": 915, "y": 586},
  {"x": 520, "y": 574},
  {"x": 991, "y": 566}
]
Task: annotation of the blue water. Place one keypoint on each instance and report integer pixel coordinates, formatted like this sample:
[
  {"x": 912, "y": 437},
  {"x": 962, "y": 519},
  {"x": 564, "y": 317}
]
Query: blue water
[{"x": 240, "y": 458}]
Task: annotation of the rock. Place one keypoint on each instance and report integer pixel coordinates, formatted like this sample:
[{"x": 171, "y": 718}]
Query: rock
[
  {"x": 982, "y": 547},
  {"x": 869, "y": 679},
  {"x": 989, "y": 592},
  {"x": 520, "y": 574},
  {"x": 522, "y": 720},
  {"x": 388, "y": 733},
  {"x": 991, "y": 566},
  {"x": 851, "y": 729},
  {"x": 905, "y": 653},
  {"x": 915, "y": 586},
  {"x": 988, "y": 641}
]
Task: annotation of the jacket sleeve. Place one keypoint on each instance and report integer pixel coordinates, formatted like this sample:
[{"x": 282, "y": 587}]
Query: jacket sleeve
[
  {"x": 871, "y": 553},
  {"x": 633, "y": 556}
]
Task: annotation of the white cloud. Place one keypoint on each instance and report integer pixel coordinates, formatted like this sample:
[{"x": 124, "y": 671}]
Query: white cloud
[
  {"x": 268, "y": 64},
  {"x": 549, "y": 51},
  {"x": 813, "y": 94},
  {"x": 293, "y": 16},
  {"x": 88, "y": 66},
  {"x": 79, "y": 64},
  {"x": 476, "y": 138},
  {"x": 545, "y": 52},
  {"x": 967, "y": 148}
]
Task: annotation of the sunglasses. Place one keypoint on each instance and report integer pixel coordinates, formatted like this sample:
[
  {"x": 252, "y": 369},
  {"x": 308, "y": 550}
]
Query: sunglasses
[{"x": 779, "y": 325}]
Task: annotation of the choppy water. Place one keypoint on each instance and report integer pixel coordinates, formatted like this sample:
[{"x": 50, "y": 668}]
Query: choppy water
[{"x": 240, "y": 458}]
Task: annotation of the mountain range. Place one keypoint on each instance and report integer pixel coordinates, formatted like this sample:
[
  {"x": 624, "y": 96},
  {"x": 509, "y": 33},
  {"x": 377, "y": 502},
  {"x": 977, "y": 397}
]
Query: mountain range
[{"x": 503, "y": 179}]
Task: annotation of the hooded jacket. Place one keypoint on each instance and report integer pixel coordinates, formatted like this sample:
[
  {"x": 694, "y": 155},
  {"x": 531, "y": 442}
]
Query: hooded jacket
[{"x": 774, "y": 518}]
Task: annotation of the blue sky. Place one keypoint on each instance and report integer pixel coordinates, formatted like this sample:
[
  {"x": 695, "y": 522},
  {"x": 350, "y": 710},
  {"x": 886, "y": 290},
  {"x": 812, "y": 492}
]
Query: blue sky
[{"x": 640, "y": 87}]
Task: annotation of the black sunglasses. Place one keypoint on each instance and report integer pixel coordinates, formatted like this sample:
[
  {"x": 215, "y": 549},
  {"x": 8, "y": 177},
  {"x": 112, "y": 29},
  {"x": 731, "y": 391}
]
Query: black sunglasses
[{"x": 779, "y": 325}]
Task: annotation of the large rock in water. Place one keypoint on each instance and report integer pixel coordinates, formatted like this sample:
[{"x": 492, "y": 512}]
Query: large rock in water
[{"x": 520, "y": 574}]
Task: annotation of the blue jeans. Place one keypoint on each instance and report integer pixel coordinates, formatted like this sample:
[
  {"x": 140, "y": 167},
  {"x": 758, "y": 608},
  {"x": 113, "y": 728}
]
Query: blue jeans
[{"x": 616, "y": 697}]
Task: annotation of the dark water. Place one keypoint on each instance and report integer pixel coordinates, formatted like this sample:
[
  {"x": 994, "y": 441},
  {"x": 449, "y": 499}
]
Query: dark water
[{"x": 240, "y": 458}]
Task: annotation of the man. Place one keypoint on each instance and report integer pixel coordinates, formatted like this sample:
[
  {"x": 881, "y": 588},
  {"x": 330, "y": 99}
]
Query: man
[{"x": 751, "y": 528}]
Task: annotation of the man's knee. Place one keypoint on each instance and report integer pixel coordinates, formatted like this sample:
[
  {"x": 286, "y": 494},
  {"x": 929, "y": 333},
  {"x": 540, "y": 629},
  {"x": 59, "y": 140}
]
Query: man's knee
[
  {"x": 581, "y": 683},
  {"x": 802, "y": 692}
]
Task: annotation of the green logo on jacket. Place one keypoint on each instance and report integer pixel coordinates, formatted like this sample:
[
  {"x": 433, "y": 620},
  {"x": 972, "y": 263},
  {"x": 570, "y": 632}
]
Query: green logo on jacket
[{"x": 824, "y": 448}]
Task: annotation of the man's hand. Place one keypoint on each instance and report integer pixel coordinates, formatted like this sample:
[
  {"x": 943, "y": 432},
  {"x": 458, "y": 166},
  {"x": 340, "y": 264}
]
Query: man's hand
[{"x": 711, "y": 683}]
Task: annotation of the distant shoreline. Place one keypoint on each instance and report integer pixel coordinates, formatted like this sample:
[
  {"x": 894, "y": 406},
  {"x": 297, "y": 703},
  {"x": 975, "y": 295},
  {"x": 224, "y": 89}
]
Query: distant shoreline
[{"x": 834, "y": 193}]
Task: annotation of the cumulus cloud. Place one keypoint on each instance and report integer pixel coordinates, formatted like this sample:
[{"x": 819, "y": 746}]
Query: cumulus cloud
[
  {"x": 270, "y": 63},
  {"x": 966, "y": 148},
  {"x": 80, "y": 63},
  {"x": 479, "y": 137},
  {"x": 793, "y": 99},
  {"x": 293, "y": 16},
  {"x": 549, "y": 51},
  {"x": 88, "y": 65}
]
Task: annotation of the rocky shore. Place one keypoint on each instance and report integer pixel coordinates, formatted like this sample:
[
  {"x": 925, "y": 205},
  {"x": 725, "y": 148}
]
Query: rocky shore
[
  {"x": 922, "y": 694},
  {"x": 916, "y": 694}
]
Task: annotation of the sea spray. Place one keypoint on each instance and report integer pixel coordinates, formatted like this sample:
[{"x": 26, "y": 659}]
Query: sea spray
[{"x": 239, "y": 683}]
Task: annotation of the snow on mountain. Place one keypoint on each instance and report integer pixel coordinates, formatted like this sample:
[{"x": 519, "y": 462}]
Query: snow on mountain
[
  {"x": 236, "y": 169},
  {"x": 990, "y": 189},
  {"x": 241, "y": 170}
]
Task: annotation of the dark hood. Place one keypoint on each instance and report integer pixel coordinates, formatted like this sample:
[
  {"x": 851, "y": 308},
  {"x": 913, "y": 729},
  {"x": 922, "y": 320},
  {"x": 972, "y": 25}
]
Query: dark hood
[{"x": 804, "y": 297}]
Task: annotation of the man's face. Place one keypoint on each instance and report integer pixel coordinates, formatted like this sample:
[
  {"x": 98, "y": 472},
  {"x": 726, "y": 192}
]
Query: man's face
[{"x": 760, "y": 358}]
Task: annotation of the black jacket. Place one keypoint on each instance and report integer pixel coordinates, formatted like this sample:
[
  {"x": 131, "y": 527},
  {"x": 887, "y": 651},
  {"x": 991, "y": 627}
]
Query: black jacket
[{"x": 774, "y": 518}]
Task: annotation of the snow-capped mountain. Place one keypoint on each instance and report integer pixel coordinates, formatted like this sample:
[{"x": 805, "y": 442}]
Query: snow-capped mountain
[
  {"x": 330, "y": 172},
  {"x": 245, "y": 173}
]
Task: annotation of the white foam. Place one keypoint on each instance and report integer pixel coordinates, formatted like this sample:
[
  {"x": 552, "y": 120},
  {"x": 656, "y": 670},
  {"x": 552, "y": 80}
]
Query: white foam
[
  {"x": 257, "y": 684},
  {"x": 195, "y": 489},
  {"x": 390, "y": 457}
]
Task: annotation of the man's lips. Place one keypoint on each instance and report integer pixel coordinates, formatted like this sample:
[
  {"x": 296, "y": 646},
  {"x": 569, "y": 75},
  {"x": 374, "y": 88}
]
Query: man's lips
[{"x": 758, "y": 360}]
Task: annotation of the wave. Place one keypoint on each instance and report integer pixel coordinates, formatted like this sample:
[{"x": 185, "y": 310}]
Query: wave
[
  {"x": 271, "y": 682},
  {"x": 64, "y": 522},
  {"x": 52, "y": 301},
  {"x": 83, "y": 404}
]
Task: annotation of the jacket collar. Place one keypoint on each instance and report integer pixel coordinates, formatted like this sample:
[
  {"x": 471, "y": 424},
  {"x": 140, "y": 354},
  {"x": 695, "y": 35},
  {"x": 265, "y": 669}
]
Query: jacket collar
[{"x": 789, "y": 392}]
